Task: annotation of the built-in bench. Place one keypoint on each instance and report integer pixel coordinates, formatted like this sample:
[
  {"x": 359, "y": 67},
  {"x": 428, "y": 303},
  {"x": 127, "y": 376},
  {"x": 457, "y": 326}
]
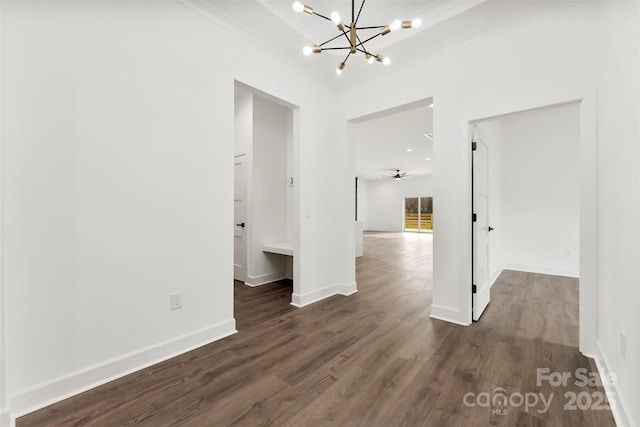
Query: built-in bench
[{"x": 282, "y": 248}]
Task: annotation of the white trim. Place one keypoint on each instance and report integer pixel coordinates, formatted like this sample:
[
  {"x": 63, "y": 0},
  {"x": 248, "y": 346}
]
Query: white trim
[
  {"x": 620, "y": 409},
  {"x": 565, "y": 272},
  {"x": 383, "y": 230},
  {"x": 263, "y": 279},
  {"x": 495, "y": 276},
  {"x": 348, "y": 289},
  {"x": 588, "y": 316},
  {"x": 447, "y": 314},
  {"x": 301, "y": 300},
  {"x": 5, "y": 418},
  {"x": 52, "y": 391}
]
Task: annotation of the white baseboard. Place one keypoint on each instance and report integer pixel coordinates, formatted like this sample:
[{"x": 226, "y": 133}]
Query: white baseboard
[
  {"x": 301, "y": 300},
  {"x": 348, "y": 289},
  {"x": 5, "y": 419},
  {"x": 544, "y": 270},
  {"x": 448, "y": 314},
  {"x": 63, "y": 387},
  {"x": 263, "y": 279},
  {"x": 620, "y": 409},
  {"x": 495, "y": 276},
  {"x": 384, "y": 230}
]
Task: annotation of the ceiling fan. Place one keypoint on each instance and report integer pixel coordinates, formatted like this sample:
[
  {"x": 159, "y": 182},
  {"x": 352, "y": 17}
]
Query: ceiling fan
[{"x": 397, "y": 176}]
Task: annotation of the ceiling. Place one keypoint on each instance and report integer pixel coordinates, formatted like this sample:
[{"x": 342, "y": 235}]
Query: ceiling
[
  {"x": 274, "y": 27},
  {"x": 381, "y": 144}
]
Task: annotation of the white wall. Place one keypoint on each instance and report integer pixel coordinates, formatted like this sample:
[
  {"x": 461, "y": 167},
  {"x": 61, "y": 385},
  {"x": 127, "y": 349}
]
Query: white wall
[
  {"x": 118, "y": 154},
  {"x": 4, "y": 410},
  {"x": 363, "y": 202},
  {"x": 291, "y": 221},
  {"x": 268, "y": 216},
  {"x": 113, "y": 181},
  {"x": 619, "y": 198},
  {"x": 541, "y": 191},
  {"x": 385, "y": 198}
]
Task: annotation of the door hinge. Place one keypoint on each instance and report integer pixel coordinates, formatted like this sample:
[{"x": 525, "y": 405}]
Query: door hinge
[
  {"x": 474, "y": 289},
  {"x": 474, "y": 217},
  {"x": 474, "y": 146}
]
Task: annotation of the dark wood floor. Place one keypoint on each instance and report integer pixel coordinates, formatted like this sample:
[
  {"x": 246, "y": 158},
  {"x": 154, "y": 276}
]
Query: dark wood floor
[{"x": 372, "y": 359}]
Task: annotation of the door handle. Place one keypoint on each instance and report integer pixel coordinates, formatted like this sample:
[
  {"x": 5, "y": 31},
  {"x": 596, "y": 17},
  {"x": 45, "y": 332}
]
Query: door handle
[
  {"x": 240, "y": 225},
  {"x": 491, "y": 228}
]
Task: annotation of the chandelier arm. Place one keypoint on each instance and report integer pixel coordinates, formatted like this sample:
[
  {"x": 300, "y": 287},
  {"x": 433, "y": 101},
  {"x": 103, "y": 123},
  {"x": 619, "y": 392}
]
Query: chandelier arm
[
  {"x": 321, "y": 16},
  {"x": 330, "y": 40},
  {"x": 375, "y": 27},
  {"x": 370, "y": 38},
  {"x": 361, "y": 48},
  {"x": 337, "y": 48},
  {"x": 361, "y": 43},
  {"x": 346, "y": 36},
  {"x": 353, "y": 10},
  {"x": 358, "y": 17}
]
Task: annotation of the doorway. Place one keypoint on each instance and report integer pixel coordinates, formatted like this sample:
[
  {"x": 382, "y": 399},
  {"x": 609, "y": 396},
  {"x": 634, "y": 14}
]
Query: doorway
[
  {"x": 394, "y": 168},
  {"x": 526, "y": 199},
  {"x": 265, "y": 198}
]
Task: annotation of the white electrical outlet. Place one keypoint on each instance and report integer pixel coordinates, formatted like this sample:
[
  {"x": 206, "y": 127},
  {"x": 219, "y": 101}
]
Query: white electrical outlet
[
  {"x": 623, "y": 344},
  {"x": 175, "y": 300}
]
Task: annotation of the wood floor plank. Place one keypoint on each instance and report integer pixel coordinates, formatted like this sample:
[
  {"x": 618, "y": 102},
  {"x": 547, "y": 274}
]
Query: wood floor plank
[{"x": 372, "y": 359}]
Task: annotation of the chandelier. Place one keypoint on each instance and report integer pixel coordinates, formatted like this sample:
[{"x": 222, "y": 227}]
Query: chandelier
[{"x": 352, "y": 34}]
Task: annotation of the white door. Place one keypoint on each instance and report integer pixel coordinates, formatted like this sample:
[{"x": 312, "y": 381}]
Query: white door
[
  {"x": 481, "y": 228},
  {"x": 240, "y": 217}
]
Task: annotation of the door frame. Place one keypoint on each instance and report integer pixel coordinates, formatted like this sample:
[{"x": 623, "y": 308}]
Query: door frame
[
  {"x": 294, "y": 129},
  {"x": 478, "y": 292},
  {"x": 243, "y": 249},
  {"x": 588, "y": 279}
]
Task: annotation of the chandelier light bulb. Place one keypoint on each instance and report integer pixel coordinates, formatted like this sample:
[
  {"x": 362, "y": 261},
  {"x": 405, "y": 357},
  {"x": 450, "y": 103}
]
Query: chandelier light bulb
[
  {"x": 416, "y": 23},
  {"x": 370, "y": 58},
  {"x": 297, "y": 6},
  {"x": 340, "y": 68},
  {"x": 335, "y": 17},
  {"x": 386, "y": 60},
  {"x": 307, "y": 50},
  {"x": 395, "y": 25}
]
